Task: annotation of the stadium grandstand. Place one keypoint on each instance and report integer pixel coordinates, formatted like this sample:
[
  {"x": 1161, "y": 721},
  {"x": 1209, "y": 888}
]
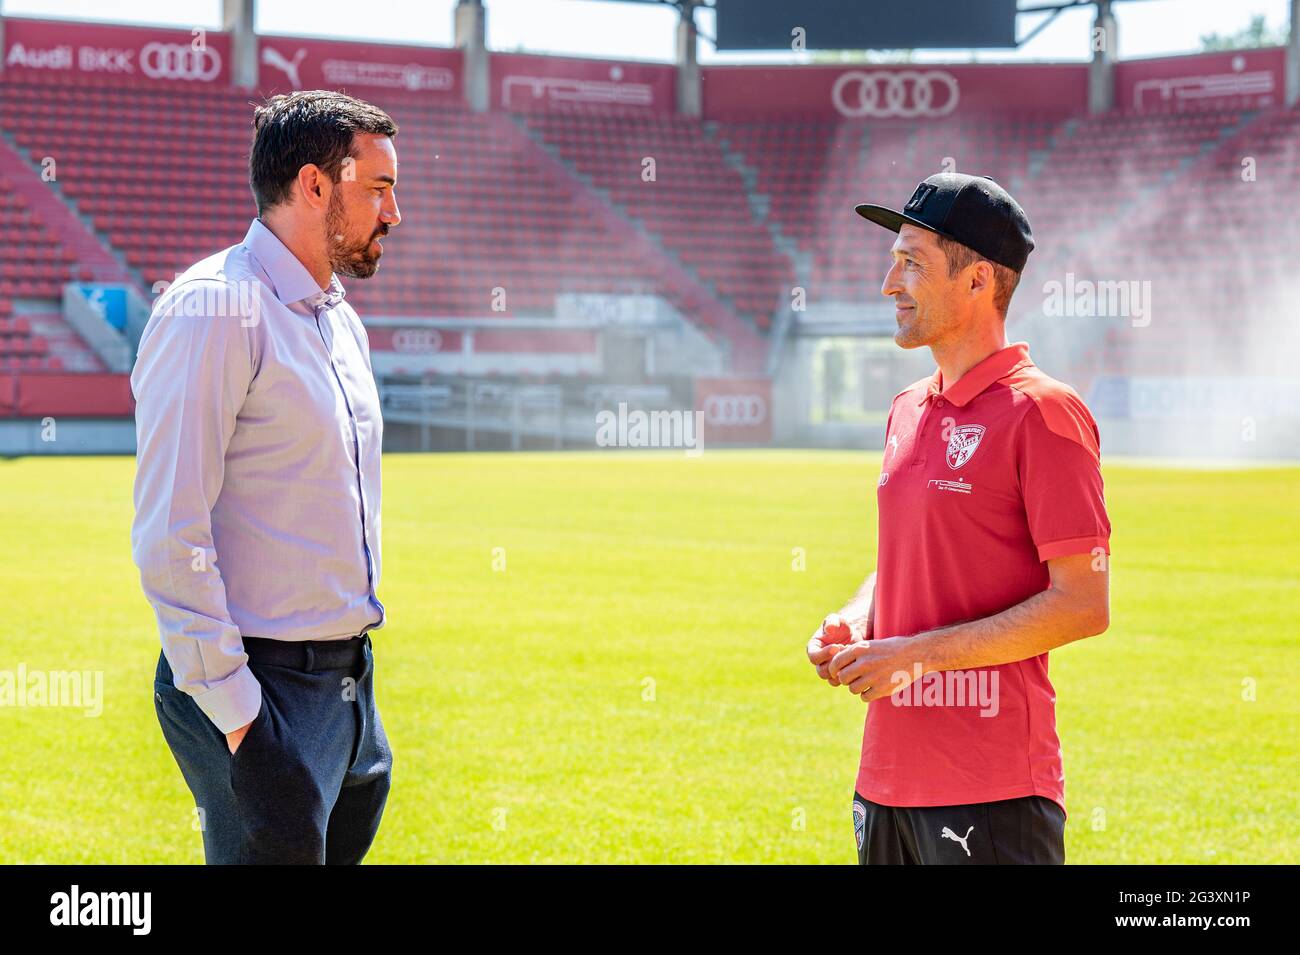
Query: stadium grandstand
[{"x": 579, "y": 233}]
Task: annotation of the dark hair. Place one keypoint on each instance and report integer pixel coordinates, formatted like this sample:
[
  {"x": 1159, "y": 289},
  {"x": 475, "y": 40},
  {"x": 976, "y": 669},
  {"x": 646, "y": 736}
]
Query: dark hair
[
  {"x": 310, "y": 126},
  {"x": 961, "y": 256}
]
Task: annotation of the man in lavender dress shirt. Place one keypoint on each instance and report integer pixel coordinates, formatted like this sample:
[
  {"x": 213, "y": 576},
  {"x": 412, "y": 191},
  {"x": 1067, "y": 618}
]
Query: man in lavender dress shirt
[{"x": 257, "y": 492}]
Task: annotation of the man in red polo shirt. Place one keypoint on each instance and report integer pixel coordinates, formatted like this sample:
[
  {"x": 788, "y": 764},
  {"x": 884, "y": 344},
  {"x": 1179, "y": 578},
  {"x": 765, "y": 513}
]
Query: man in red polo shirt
[{"x": 993, "y": 550}]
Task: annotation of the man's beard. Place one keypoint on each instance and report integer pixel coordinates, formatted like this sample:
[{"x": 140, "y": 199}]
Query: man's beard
[{"x": 351, "y": 258}]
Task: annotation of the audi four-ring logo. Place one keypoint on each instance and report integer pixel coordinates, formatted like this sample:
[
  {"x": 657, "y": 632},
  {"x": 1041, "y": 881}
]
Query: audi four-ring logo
[
  {"x": 884, "y": 93},
  {"x": 416, "y": 340},
  {"x": 735, "y": 409},
  {"x": 179, "y": 61}
]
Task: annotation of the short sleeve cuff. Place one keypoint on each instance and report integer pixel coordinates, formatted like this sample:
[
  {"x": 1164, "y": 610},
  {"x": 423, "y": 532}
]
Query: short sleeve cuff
[
  {"x": 234, "y": 702},
  {"x": 1071, "y": 546}
]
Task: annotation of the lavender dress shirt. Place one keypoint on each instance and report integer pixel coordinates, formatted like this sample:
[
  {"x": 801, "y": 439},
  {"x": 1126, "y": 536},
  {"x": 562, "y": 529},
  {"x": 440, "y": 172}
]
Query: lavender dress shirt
[{"x": 258, "y": 436}]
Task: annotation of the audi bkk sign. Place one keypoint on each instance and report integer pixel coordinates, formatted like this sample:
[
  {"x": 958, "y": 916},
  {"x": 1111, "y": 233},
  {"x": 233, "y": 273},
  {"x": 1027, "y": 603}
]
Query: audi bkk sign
[
  {"x": 179, "y": 61},
  {"x": 417, "y": 340},
  {"x": 735, "y": 410},
  {"x": 41, "y": 47},
  {"x": 889, "y": 93},
  {"x": 907, "y": 94}
]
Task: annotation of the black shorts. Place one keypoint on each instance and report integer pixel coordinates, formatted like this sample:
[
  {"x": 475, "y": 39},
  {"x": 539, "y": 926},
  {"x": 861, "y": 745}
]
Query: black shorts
[{"x": 1025, "y": 831}]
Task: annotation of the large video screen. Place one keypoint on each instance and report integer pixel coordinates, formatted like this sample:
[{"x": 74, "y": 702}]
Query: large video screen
[{"x": 866, "y": 24}]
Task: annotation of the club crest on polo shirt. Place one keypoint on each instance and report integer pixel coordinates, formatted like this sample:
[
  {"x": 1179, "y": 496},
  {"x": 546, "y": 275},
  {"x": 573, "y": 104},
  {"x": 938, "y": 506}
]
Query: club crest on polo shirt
[{"x": 962, "y": 444}]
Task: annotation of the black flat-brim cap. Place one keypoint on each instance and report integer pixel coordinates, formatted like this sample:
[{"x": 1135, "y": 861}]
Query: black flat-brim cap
[{"x": 972, "y": 210}]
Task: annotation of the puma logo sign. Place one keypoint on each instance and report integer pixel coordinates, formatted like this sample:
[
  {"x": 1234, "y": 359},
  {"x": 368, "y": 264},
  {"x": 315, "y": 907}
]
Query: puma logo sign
[
  {"x": 949, "y": 834},
  {"x": 273, "y": 57}
]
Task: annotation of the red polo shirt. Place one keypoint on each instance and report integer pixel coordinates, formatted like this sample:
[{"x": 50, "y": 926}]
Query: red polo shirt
[{"x": 982, "y": 482}]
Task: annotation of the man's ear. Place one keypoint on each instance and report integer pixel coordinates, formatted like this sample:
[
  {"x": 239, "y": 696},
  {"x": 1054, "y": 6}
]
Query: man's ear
[
  {"x": 314, "y": 186},
  {"x": 982, "y": 278}
]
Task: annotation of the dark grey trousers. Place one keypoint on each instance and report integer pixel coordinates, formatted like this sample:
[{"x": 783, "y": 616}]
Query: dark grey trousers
[
  {"x": 1029, "y": 830},
  {"x": 308, "y": 783}
]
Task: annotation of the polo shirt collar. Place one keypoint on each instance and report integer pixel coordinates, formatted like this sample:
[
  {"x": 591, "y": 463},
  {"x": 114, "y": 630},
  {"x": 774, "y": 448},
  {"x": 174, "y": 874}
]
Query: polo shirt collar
[
  {"x": 290, "y": 279},
  {"x": 995, "y": 367}
]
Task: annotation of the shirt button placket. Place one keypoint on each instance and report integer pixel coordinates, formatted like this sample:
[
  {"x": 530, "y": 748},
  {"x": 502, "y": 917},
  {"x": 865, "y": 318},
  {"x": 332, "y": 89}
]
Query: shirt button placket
[
  {"x": 923, "y": 435},
  {"x": 320, "y": 309}
]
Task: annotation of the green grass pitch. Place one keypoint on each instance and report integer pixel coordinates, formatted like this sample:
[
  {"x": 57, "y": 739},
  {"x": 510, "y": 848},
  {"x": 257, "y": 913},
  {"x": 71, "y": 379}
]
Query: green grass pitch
[{"x": 632, "y": 686}]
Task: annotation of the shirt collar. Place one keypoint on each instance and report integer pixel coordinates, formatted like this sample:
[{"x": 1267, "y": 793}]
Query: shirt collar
[
  {"x": 995, "y": 367},
  {"x": 290, "y": 279}
]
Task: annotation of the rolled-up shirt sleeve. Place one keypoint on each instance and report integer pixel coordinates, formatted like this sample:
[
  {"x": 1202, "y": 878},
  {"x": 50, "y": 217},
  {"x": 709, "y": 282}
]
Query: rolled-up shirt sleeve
[{"x": 192, "y": 374}]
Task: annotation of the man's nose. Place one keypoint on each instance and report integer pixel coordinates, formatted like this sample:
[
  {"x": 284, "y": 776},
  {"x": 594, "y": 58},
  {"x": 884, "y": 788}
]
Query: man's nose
[
  {"x": 390, "y": 215},
  {"x": 891, "y": 286}
]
